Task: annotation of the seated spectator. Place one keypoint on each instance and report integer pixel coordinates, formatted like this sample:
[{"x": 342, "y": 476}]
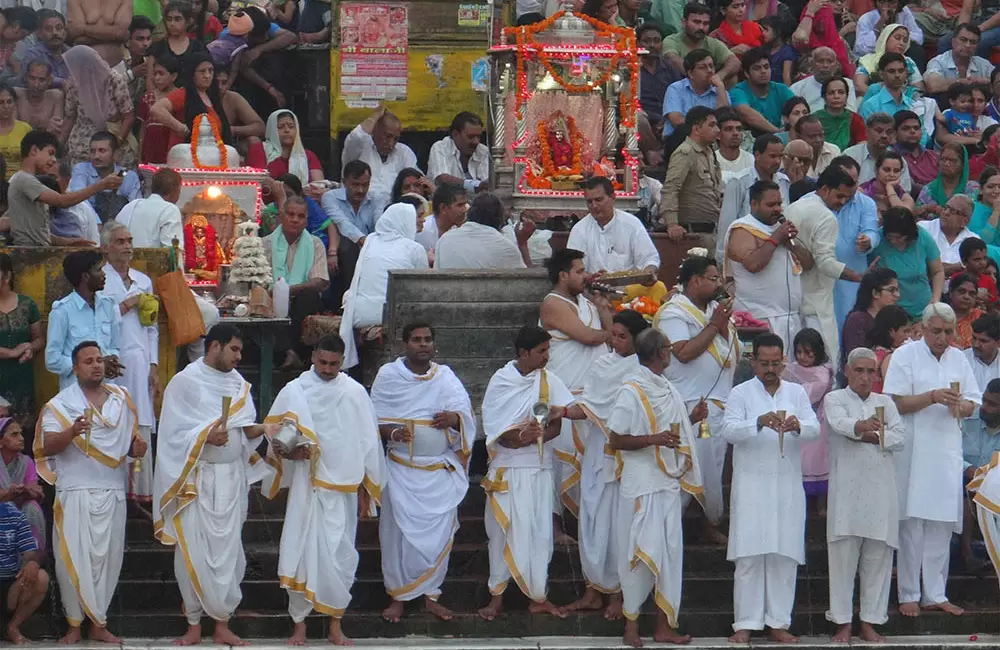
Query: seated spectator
[
  {"x": 19, "y": 25},
  {"x": 200, "y": 94},
  {"x": 975, "y": 256},
  {"x": 19, "y": 479},
  {"x": 411, "y": 181},
  {"x": 260, "y": 70},
  {"x": 910, "y": 251},
  {"x": 949, "y": 231},
  {"x": 885, "y": 188},
  {"x": 390, "y": 247},
  {"x": 817, "y": 29},
  {"x": 102, "y": 164},
  {"x": 479, "y": 243},
  {"x": 880, "y": 132},
  {"x": 825, "y": 66},
  {"x": 656, "y": 73},
  {"x": 957, "y": 121},
  {"x": 135, "y": 64},
  {"x": 985, "y": 222},
  {"x": 794, "y": 109},
  {"x": 353, "y": 210},
  {"x": 285, "y": 153},
  {"x": 12, "y": 130},
  {"x": 796, "y": 161},
  {"x": 460, "y": 153},
  {"x": 733, "y": 158},
  {"x": 28, "y": 199},
  {"x": 842, "y": 126},
  {"x": 758, "y": 100},
  {"x": 38, "y": 103},
  {"x": 783, "y": 55},
  {"x": 959, "y": 63},
  {"x": 300, "y": 259},
  {"x": 21, "y": 333},
  {"x": 605, "y": 11},
  {"x": 177, "y": 45},
  {"x": 23, "y": 583},
  {"x": 77, "y": 221},
  {"x": 873, "y": 23},
  {"x": 694, "y": 36},
  {"x": 980, "y": 98},
  {"x": 449, "y": 205},
  {"x": 49, "y": 47},
  {"x": 939, "y": 19},
  {"x": 155, "y": 221},
  {"x": 317, "y": 223},
  {"x": 97, "y": 100},
  {"x": 895, "y": 39},
  {"x": 811, "y": 130},
  {"x": 376, "y": 141},
  {"x": 203, "y": 26},
  {"x": 993, "y": 107},
  {"x": 735, "y": 31},
  {"x": 962, "y": 294},
  {"x": 701, "y": 87},
  {"x": 922, "y": 163},
  {"x": 952, "y": 178},
  {"x": 154, "y": 138}
]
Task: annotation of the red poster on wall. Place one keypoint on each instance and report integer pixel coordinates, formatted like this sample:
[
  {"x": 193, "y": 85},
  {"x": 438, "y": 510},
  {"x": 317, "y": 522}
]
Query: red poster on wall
[{"x": 373, "y": 52}]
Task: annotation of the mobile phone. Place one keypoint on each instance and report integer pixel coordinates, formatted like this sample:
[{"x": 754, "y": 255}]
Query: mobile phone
[{"x": 121, "y": 173}]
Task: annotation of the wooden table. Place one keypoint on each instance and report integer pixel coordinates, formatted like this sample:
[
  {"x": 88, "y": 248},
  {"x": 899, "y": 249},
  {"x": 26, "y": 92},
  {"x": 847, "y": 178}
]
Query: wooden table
[{"x": 263, "y": 332}]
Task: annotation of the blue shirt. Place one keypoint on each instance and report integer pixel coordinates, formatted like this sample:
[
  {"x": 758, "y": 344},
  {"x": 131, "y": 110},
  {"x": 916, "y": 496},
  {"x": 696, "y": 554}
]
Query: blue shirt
[
  {"x": 15, "y": 540},
  {"x": 317, "y": 221},
  {"x": 880, "y": 101},
  {"x": 978, "y": 444},
  {"x": 859, "y": 216},
  {"x": 71, "y": 322},
  {"x": 351, "y": 224},
  {"x": 680, "y": 98},
  {"x": 768, "y": 106},
  {"x": 85, "y": 175}
]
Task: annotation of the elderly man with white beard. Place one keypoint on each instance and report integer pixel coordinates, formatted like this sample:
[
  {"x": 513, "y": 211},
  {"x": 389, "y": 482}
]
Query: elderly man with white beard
[{"x": 862, "y": 523}]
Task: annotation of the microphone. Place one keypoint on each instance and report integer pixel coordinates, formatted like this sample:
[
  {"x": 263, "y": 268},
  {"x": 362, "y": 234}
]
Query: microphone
[{"x": 793, "y": 240}]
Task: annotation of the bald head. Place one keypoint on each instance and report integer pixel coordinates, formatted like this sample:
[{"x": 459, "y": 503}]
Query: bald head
[
  {"x": 824, "y": 63},
  {"x": 798, "y": 149}
]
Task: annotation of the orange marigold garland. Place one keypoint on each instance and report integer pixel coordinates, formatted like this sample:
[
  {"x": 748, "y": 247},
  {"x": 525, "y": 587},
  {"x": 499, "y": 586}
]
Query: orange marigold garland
[{"x": 216, "y": 135}]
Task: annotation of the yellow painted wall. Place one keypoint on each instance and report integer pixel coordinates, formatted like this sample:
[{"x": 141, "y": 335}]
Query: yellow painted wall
[{"x": 427, "y": 107}]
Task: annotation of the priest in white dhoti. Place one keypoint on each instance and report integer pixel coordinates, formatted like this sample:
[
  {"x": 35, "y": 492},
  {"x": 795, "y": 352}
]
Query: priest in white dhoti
[
  {"x": 205, "y": 464},
  {"x": 138, "y": 345},
  {"x": 581, "y": 330},
  {"x": 519, "y": 495},
  {"x": 426, "y": 420},
  {"x": 765, "y": 262},
  {"x": 650, "y": 426},
  {"x": 862, "y": 519},
  {"x": 766, "y": 419},
  {"x": 333, "y": 467},
  {"x": 84, "y": 435},
  {"x": 601, "y": 466},
  {"x": 985, "y": 483},
  {"x": 706, "y": 351},
  {"x": 922, "y": 378}
]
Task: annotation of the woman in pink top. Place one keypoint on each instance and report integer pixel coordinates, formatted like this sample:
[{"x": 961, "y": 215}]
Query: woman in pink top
[{"x": 19, "y": 480}]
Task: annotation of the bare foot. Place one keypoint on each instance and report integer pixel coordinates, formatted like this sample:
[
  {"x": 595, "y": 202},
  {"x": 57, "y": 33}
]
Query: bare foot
[
  {"x": 909, "y": 609},
  {"x": 869, "y": 634},
  {"x": 546, "y": 607},
  {"x": 842, "y": 635},
  {"x": 947, "y": 608},
  {"x": 613, "y": 611},
  {"x": 72, "y": 637},
  {"x": 101, "y": 635},
  {"x": 14, "y": 634},
  {"x": 560, "y": 538},
  {"x": 590, "y": 602},
  {"x": 667, "y": 634},
  {"x": 741, "y": 636},
  {"x": 782, "y": 636},
  {"x": 336, "y": 636},
  {"x": 492, "y": 610},
  {"x": 439, "y": 610},
  {"x": 631, "y": 637},
  {"x": 298, "y": 635},
  {"x": 224, "y": 636},
  {"x": 191, "y": 637},
  {"x": 393, "y": 612}
]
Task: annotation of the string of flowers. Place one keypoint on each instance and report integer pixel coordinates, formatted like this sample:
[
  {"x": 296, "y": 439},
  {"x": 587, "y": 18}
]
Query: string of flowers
[
  {"x": 216, "y": 135},
  {"x": 575, "y": 140}
]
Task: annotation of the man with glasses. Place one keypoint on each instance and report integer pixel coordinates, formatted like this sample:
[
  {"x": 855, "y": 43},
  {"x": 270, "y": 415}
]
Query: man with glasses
[
  {"x": 950, "y": 230},
  {"x": 702, "y": 87},
  {"x": 881, "y": 135},
  {"x": 796, "y": 160},
  {"x": 960, "y": 62}
]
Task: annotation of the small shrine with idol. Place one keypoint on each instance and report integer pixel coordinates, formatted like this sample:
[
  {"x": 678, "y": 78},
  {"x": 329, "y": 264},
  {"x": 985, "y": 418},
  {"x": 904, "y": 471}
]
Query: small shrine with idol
[{"x": 564, "y": 98}]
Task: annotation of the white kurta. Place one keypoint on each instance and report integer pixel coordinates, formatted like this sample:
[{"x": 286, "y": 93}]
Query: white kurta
[
  {"x": 623, "y": 244},
  {"x": 652, "y": 480},
  {"x": 774, "y": 293},
  {"x": 138, "y": 348},
  {"x": 518, "y": 485},
  {"x": 710, "y": 377},
  {"x": 317, "y": 559},
  {"x": 89, "y": 512},
  {"x": 984, "y": 372},
  {"x": 420, "y": 503},
  {"x": 200, "y": 491},
  {"x": 768, "y": 504},
  {"x": 475, "y": 246}
]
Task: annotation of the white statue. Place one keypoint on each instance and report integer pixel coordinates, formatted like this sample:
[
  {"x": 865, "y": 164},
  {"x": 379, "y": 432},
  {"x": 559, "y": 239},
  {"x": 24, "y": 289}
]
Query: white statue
[{"x": 207, "y": 153}]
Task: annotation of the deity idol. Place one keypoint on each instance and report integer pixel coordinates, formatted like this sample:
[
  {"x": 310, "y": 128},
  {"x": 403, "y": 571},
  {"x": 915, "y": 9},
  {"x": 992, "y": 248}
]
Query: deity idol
[
  {"x": 202, "y": 253},
  {"x": 560, "y": 146}
]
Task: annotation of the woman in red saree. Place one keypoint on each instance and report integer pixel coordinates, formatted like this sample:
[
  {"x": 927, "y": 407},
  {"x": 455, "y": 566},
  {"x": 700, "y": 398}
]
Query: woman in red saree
[{"x": 738, "y": 34}]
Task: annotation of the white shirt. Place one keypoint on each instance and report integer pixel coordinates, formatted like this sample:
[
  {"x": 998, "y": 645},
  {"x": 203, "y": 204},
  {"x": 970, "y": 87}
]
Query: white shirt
[
  {"x": 90, "y": 222},
  {"x": 733, "y": 168},
  {"x": 984, "y": 372},
  {"x": 475, "y": 246},
  {"x": 702, "y": 376},
  {"x": 445, "y": 159},
  {"x": 864, "y": 158},
  {"x": 736, "y": 202},
  {"x": 943, "y": 65},
  {"x": 622, "y": 245},
  {"x": 812, "y": 91},
  {"x": 359, "y": 145},
  {"x": 949, "y": 252},
  {"x": 153, "y": 222}
]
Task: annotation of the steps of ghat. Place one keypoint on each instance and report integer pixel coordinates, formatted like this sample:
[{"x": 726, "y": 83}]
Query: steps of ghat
[{"x": 147, "y": 603}]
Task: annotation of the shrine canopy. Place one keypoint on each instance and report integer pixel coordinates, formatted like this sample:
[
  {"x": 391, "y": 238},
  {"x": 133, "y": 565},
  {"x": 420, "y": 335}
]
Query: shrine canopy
[{"x": 564, "y": 100}]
